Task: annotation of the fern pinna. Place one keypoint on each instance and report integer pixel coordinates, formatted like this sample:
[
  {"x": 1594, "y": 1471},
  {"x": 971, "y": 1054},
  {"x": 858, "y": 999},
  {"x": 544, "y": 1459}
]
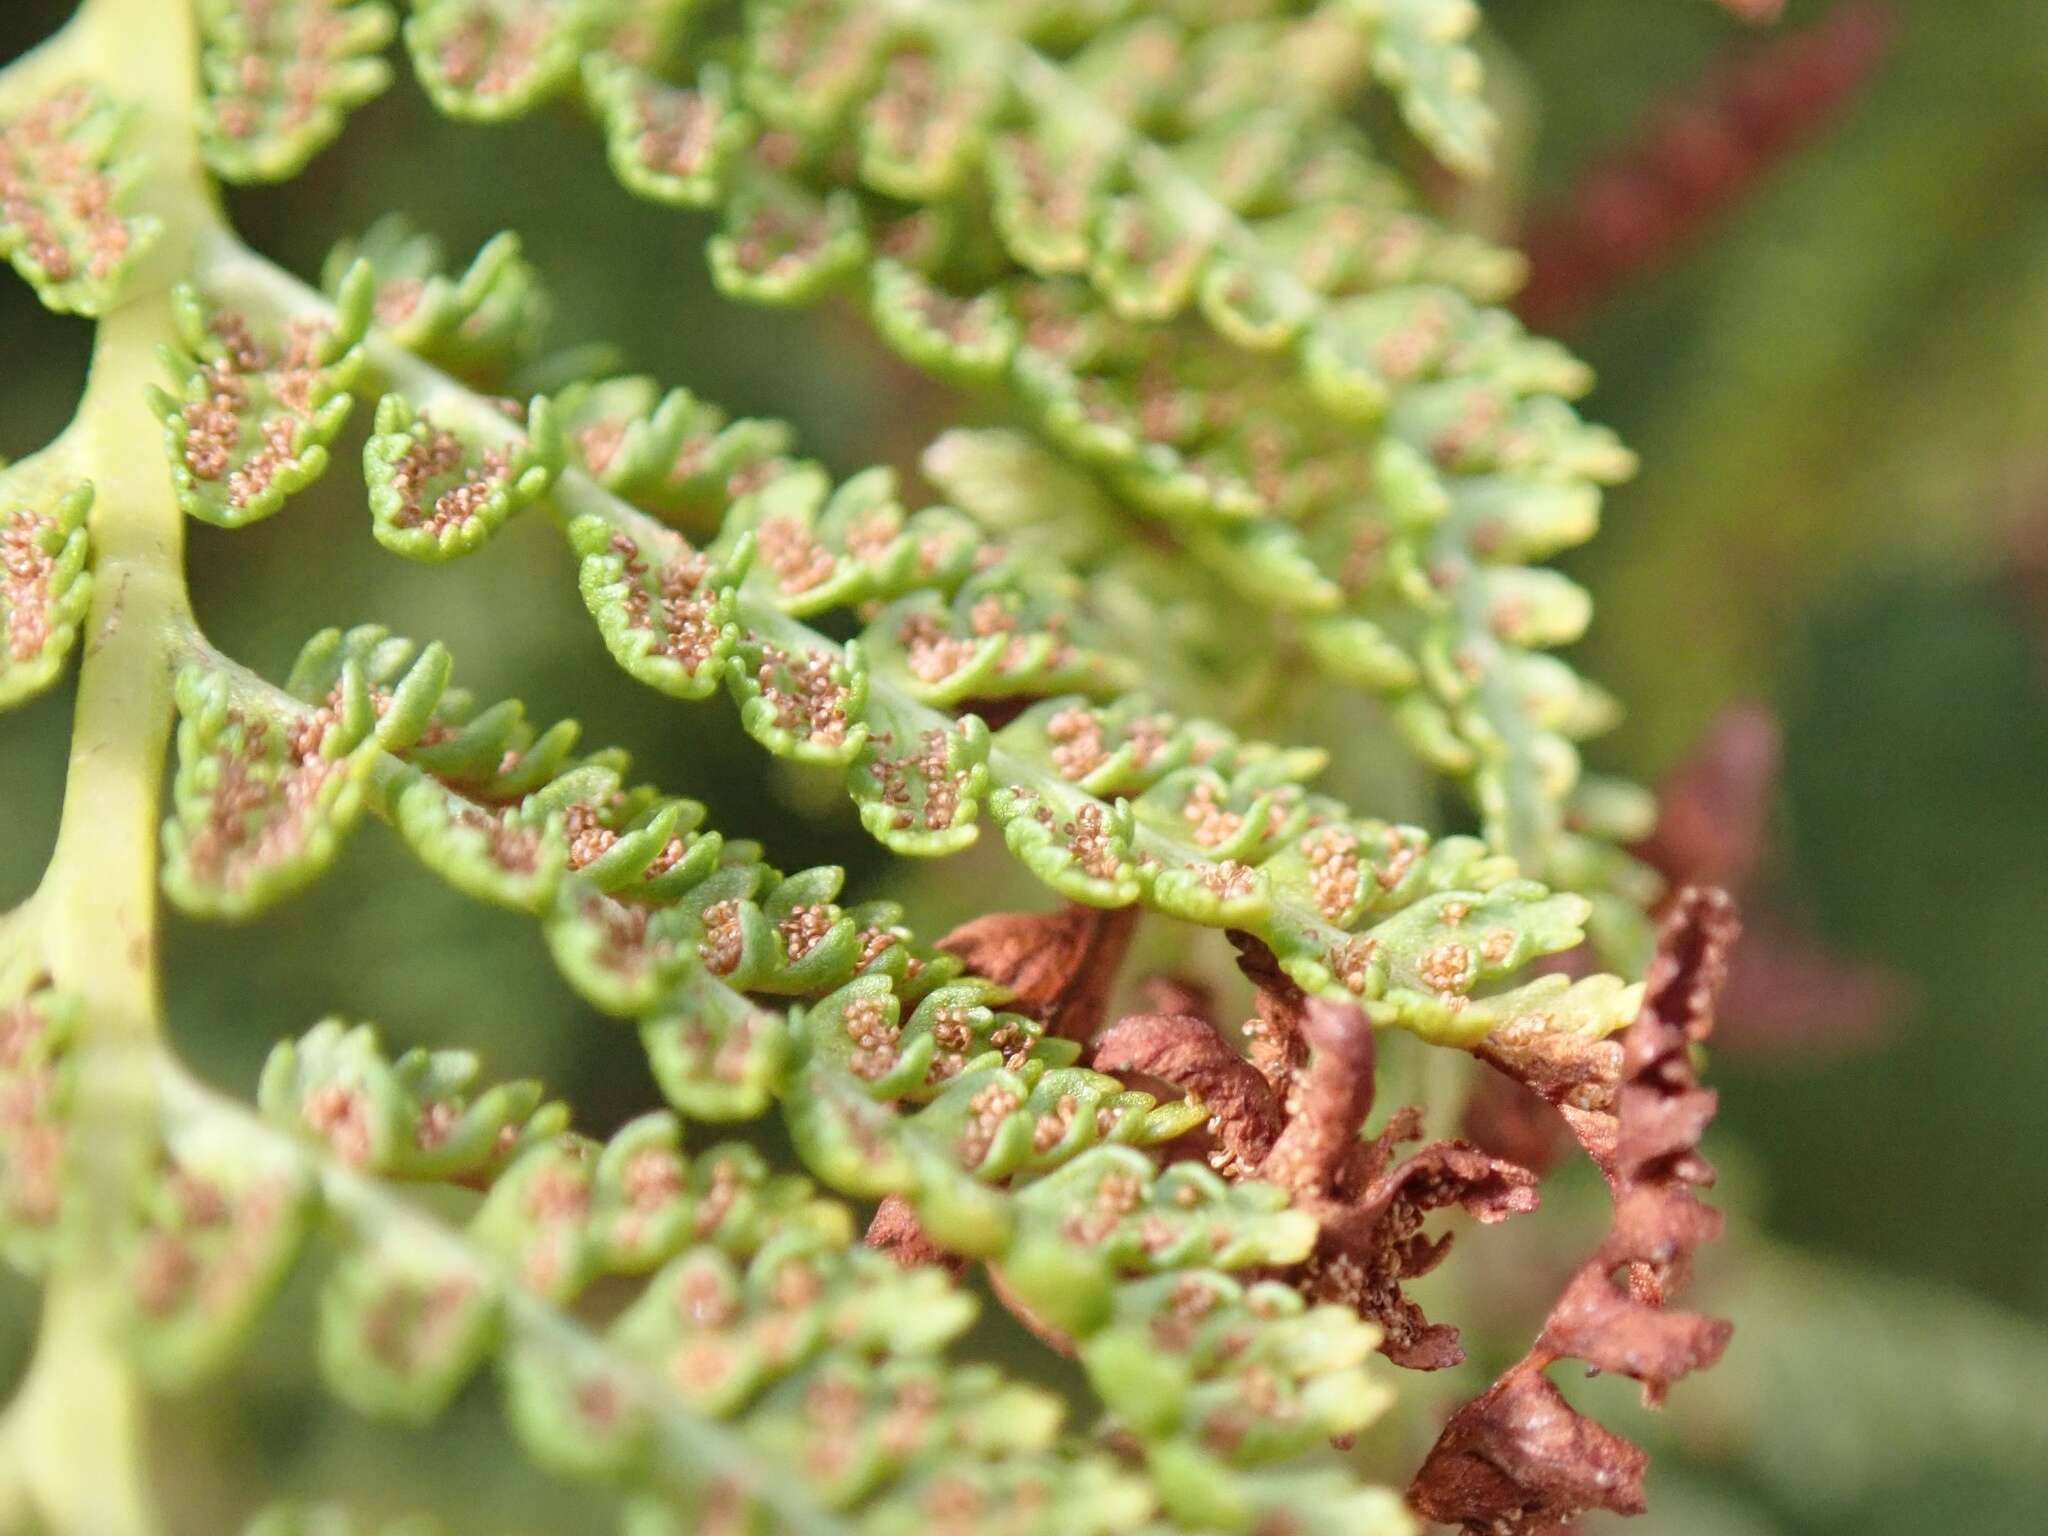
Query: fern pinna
[{"x": 1243, "y": 379}]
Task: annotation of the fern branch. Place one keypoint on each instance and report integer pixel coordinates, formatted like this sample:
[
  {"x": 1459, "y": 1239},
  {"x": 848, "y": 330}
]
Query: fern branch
[
  {"x": 692, "y": 1449},
  {"x": 1445, "y": 1003},
  {"x": 999, "y": 1115},
  {"x": 1056, "y": 97}
]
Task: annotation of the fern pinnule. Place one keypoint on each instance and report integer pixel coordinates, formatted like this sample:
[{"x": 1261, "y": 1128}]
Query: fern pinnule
[
  {"x": 282, "y": 78},
  {"x": 61, "y": 190},
  {"x": 44, "y": 582}
]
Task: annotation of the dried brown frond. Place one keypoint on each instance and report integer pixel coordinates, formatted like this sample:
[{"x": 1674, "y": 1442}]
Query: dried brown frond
[
  {"x": 1372, "y": 1243},
  {"x": 1298, "y": 1123},
  {"x": 1275, "y": 1038},
  {"x": 1506, "y": 1118},
  {"x": 1518, "y": 1458},
  {"x": 1319, "y": 1152},
  {"x": 1697, "y": 156},
  {"x": 1061, "y": 965},
  {"x": 1177, "y": 994},
  {"x": 1790, "y": 994},
  {"x": 1187, "y": 1053},
  {"x": 1713, "y": 809}
]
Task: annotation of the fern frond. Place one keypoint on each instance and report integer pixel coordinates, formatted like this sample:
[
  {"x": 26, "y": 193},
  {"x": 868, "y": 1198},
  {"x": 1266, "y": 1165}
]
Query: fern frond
[
  {"x": 827, "y": 1358},
  {"x": 1091, "y": 848},
  {"x": 329, "y": 1520},
  {"x": 417, "y": 1306},
  {"x": 218, "y": 1224},
  {"x": 480, "y": 325},
  {"x": 1258, "y": 415},
  {"x": 408, "y": 1119},
  {"x": 896, "y": 1078},
  {"x": 489, "y": 59},
  {"x": 1419, "y": 52},
  {"x": 437, "y": 491},
  {"x": 671, "y": 144},
  {"x": 1199, "y": 199},
  {"x": 262, "y": 800}
]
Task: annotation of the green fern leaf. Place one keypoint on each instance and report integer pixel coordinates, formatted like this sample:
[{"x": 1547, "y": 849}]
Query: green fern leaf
[
  {"x": 402, "y": 1329},
  {"x": 220, "y": 1225},
  {"x": 411, "y": 1119},
  {"x": 670, "y": 144},
  {"x": 331, "y": 1520},
  {"x": 492, "y": 59},
  {"x": 782, "y": 243},
  {"x": 666, "y": 612},
  {"x": 255, "y": 415},
  {"x": 437, "y": 492},
  {"x": 281, "y": 80},
  {"x": 481, "y": 326},
  {"x": 259, "y": 808},
  {"x": 61, "y": 192}
]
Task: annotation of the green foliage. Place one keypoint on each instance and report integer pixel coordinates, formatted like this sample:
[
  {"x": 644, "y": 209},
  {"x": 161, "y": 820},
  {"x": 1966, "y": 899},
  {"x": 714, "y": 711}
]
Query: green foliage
[
  {"x": 407, "y": 1118},
  {"x": 1155, "y": 178},
  {"x": 327, "y": 1520},
  {"x": 680, "y": 618},
  {"x": 493, "y": 58},
  {"x": 1247, "y": 383},
  {"x": 828, "y": 1357},
  {"x": 435, "y": 494},
  {"x": 477, "y": 325}
]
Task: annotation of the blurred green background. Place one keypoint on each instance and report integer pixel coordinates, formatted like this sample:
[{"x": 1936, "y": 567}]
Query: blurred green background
[{"x": 1838, "y": 382}]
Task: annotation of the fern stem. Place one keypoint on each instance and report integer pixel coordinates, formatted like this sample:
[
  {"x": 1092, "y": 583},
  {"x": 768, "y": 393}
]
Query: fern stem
[{"x": 96, "y": 913}]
